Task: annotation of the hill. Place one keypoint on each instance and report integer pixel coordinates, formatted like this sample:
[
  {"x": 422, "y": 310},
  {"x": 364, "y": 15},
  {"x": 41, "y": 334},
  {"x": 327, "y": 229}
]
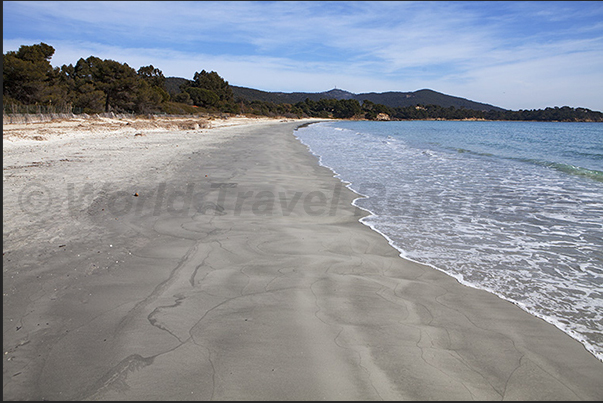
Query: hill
[
  {"x": 392, "y": 99},
  {"x": 251, "y": 94},
  {"x": 424, "y": 97}
]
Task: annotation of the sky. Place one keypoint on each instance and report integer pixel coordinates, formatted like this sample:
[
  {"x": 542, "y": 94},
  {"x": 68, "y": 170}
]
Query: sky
[{"x": 514, "y": 55}]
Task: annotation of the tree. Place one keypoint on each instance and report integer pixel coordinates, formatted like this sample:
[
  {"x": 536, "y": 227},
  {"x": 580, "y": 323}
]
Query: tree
[
  {"x": 97, "y": 85},
  {"x": 118, "y": 81},
  {"x": 203, "y": 97},
  {"x": 152, "y": 76},
  {"x": 346, "y": 108},
  {"x": 81, "y": 88},
  {"x": 148, "y": 98},
  {"x": 213, "y": 82},
  {"x": 28, "y": 75},
  {"x": 36, "y": 53},
  {"x": 184, "y": 98},
  {"x": 325, "y": 107},
  {"x": 151, "y": 92},
  {"x": 89, "y": 99},
  {"x": 371, "y": 109}
]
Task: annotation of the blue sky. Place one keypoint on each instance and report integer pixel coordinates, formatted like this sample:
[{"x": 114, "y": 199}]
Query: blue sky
[{"x": 516, "y": 55}]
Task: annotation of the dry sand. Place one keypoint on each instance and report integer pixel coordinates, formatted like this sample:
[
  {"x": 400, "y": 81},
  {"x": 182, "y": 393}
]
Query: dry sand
[{"x": 217, "y": 260}]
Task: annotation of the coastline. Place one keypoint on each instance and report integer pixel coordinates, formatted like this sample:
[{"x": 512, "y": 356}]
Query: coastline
[
  {"x": 401, "y": 228},
  {"x": 226, "y": 264}
]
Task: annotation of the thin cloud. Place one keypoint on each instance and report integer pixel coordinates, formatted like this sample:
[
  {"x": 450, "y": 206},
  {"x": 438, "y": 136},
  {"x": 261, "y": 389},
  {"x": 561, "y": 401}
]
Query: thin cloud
[{"x": 487, "y": 51}]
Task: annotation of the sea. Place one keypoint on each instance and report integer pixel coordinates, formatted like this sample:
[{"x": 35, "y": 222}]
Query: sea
[{"x": 513, "y": 208}]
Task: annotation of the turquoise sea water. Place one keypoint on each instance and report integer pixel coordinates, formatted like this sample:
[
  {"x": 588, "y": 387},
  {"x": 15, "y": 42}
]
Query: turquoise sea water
[{"x": 514, "y": 208}]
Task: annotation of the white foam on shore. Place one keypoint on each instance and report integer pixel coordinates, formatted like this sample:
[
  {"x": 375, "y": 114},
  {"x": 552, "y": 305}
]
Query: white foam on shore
[{"x": 529, "y": 301}]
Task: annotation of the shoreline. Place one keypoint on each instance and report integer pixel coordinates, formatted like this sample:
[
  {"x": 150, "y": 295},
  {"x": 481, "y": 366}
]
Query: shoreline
[
  {"x": 227, "y": 264},
  {"x": 571, "y": 329},
  {"x": 402, "y": 253}
]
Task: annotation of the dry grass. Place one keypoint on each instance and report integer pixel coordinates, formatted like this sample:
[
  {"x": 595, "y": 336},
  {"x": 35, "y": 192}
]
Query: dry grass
[{"x": 41, "y": 131}]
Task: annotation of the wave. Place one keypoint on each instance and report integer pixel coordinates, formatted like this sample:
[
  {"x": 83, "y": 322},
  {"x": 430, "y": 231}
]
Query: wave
[
  {"x": 558, "y": 166},
  {"x": 567, "y": 168},
  {"x": 550, "y": 271}
]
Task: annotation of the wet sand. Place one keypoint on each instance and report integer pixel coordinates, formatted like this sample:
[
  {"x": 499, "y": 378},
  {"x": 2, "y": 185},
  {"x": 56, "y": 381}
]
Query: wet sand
[{"x": 223, "y": 263}]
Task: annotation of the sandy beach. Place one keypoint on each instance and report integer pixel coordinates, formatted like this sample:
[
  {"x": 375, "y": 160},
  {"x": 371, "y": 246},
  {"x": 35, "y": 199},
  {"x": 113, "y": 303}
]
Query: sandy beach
[{"x": 197, "y": 259}]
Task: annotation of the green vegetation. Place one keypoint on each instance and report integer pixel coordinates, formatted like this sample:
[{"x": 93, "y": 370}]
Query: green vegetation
[
  {"x": 92, "y": 85},
  {"x": 392, "y": 99}
]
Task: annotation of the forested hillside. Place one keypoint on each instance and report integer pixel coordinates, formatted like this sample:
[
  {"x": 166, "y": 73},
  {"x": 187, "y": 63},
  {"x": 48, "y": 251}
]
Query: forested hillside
[
  {"x": 93, "y": 85},
  {"x": 392, "y": 99}
]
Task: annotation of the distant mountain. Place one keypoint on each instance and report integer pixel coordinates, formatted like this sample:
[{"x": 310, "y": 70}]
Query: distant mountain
[
  {"x": 392, "y": 99},
  {"x": 250, "y": 94},
  {"x": 424, "y": 97}
]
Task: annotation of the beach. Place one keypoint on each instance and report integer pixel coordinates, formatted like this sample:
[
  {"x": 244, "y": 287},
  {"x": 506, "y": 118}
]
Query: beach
[{"x": 184, "y": 259}]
